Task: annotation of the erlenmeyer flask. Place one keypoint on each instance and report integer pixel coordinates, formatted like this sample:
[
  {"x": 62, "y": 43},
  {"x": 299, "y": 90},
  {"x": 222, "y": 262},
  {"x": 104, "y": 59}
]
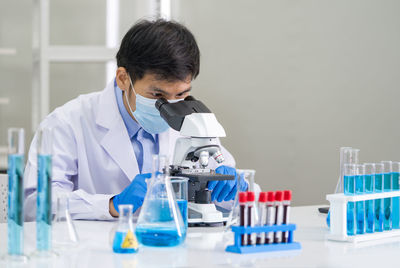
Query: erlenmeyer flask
[
  {"x": 124, "y": 238},
  {"x": 64, "y": 232},
  {"x": 160, "y": 222}
]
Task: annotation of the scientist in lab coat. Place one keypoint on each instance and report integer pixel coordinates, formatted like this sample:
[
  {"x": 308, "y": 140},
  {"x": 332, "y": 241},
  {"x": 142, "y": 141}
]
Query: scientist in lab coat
[{"x": 103, "y": 142}]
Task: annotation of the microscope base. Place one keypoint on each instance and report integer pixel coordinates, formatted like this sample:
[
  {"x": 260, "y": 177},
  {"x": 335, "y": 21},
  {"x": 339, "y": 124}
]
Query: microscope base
[{"x": 206, "y": 214}]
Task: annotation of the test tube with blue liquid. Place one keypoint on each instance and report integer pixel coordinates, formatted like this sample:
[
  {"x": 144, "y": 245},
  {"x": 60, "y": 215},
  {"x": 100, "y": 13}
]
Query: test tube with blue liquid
[
  {"x": 15, "y": 218},
  {"x": 387, "y": 202},
  {"x": 44, "y": 171},
  {"x": 369, "y": 169},
  {"x": 395, "y": 200},
  {"x": 349, "y": 189},
  {"x": 378, "y": 203},
  {"x": 348, "y": 155},
  {"x": 360, "y": 189}
]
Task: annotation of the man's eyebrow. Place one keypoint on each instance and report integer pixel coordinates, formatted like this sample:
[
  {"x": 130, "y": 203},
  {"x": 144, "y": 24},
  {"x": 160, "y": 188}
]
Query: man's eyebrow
[
  {"x": 186, "y": 90},
  {"x": 156, "y": 89}
]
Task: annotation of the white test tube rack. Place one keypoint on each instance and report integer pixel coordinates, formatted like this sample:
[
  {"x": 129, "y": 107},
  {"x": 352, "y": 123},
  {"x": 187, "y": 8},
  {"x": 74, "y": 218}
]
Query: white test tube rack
[{"x": 338, "y": 217}]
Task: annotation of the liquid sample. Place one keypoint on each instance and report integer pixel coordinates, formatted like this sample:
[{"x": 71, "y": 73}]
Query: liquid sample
[
  {"x": 15, "y": 222},
  {"x": 378, "y": 223},
  {"x": 387, "y": 202},
  {"x": 183, "y": 207},
  {"x": 43, "y": 212},
  {"x": 360, "y": 205},
  {"x": 396, "y": 201},
  {"x": 160, "y": 236},
  {"x": 125, "y": 242},
  {"x": 369, "y": 204},
  {"x": 349, "y": 189}
]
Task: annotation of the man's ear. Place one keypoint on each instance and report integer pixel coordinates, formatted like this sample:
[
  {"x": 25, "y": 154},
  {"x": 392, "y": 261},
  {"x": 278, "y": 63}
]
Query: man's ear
[{"x": 122, "y": 78}]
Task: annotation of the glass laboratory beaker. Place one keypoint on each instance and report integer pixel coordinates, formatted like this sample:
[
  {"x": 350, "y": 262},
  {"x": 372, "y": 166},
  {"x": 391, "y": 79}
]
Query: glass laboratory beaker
[
  {"x": 395, "y": 200},
  {"x": 180, "y": 187},
  {"x": 387, "y": 202},
  {"x": 369, "y": 176},
  {"x": 124, "y": 238},
  {"x": 64, "y": 232},
  {"x": 15, "y": 220},
  {"x": 44, "y": 175},
  {"x": 160, "y": 222}
]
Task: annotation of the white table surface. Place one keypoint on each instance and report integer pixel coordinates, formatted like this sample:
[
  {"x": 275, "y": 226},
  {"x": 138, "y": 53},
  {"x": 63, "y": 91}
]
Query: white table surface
[{"x": 205, "y": 247}]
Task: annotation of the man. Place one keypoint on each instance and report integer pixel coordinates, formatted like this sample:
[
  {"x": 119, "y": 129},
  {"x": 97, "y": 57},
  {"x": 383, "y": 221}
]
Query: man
[{"x": 104, "y": 141}]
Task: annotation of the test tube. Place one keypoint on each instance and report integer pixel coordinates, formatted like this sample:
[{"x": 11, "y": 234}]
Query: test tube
[
  {"x": 369, "y": 169},
  {"x": 251, "y": 238},
  {"x": 262, "y": 213},
  {"x": 387, "y": 202},
  {"x": 378, "y": 223},
  {"x": 395, "y": 200},
  {"x": 278, "y": 215},
  {"x": 15, "y": 219},
  {"x": 360, "y": 212},
  {"x": 349, "y": 189},
  {"x": 345, "y": 156},
  {"x": 44, "y": 176}
]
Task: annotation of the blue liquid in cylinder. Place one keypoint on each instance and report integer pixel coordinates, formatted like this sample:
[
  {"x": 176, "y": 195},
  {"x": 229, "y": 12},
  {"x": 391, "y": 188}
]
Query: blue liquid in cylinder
[
  {"x": 349, "y": 189},
  {"x": 387, "y": 202},
  {"x": 378, "y": 223},
  {"x": 396, "y": 201},
  {"x": 369, "y": 204},
  {"x": 43, "y": 212},
  {"x": 360, "y": 212},
  {"x": 15, "y": 222}
]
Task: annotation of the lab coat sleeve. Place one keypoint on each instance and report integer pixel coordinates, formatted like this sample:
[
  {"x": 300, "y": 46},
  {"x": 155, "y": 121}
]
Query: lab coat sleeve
[
  {"x": 230, "y": 161},
  {"x": 82, "y": 205}
]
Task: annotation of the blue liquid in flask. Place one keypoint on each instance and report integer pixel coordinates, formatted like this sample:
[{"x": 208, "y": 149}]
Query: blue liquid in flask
[
  {"x": 43, "y": 212},
  {"x": 118, "y": 244},
  {"x": 15, "y": 221},
  {"x": 349, "y": 189},
  {"x": 161, "y": 228}
]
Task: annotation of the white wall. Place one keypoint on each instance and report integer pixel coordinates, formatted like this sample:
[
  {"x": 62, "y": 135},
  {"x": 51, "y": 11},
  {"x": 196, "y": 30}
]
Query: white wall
[{"x": 291, "y": 81}]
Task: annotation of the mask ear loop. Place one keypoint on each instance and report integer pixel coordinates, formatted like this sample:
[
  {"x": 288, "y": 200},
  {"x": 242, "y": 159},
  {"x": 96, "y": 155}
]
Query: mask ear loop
[{"x": 126, "y": 94}]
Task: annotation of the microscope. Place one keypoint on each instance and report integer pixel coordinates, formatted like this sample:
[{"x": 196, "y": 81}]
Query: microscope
[{"x": 200, "y": 131}]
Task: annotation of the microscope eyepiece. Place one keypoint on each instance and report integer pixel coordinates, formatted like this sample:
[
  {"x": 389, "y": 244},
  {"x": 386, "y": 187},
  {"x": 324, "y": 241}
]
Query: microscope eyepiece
[{"x": 160, "y": 102}]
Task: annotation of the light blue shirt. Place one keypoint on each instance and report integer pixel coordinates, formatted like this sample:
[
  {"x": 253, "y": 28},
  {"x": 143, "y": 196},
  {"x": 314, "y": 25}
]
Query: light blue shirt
[{"x": 144, "y": 144}]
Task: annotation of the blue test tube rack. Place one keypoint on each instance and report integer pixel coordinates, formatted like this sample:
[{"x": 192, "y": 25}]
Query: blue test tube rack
[
  {"x": 338, "y": 217},
  {"x": 240, "y": 230}
]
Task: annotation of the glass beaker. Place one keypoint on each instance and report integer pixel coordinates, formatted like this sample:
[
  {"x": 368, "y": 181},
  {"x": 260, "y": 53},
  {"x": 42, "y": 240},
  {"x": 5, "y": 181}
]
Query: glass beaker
[
  {"x": 160, "y": 222},
  {"x": 233, "y": 218},
  {"x": 124, "y": 238},
  {"x": 180, "y": 187},
  {"x": 64, "y": 232},
  {"x": 15, "y": 217}
]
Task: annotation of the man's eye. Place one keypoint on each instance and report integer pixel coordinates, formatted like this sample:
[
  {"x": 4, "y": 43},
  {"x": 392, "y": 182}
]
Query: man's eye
[{"x": 157, "y": 95}]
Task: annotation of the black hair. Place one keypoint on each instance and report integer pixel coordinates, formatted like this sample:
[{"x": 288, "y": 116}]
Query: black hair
[{"x": 166, "y": 49}]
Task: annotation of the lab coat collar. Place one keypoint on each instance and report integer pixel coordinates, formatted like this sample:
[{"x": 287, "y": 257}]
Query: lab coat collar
[{"x": 116, "y": 141}]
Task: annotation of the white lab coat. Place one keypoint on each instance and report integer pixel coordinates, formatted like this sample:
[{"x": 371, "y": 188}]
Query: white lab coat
[{"x": 93, "y": 158}]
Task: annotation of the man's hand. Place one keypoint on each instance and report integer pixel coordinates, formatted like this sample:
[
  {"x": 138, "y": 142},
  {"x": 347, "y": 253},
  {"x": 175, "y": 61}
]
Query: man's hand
[
  {"x": 226, "y": 190},
  {"x": 133, "y": 194}
]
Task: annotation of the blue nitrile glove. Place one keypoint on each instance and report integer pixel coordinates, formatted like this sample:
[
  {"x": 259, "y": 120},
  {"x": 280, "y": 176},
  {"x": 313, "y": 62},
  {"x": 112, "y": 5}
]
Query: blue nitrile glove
[
  {"x": 133, "y": 194},
  {"x": 226, "y": 190}
]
